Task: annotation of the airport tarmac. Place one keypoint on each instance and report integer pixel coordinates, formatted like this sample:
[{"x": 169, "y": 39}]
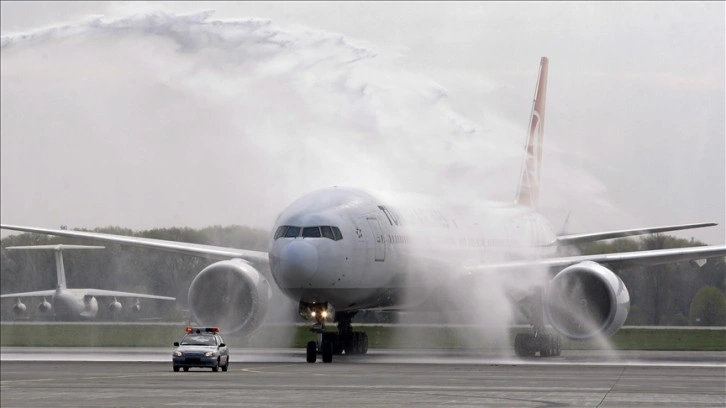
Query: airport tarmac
[{"x": 101, "y": 377}]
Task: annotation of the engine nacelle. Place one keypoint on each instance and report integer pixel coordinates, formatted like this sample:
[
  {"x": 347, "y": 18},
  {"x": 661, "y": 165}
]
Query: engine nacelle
[
  {"x": 115, "y": 306},
  {"x": 90, "y": 307},
  {"x": 136, "y": 308},
  {"x": 19, "y": 308},
  {"x": 231, "y": 295},
  {"x": 585, "y": 300},
  {"x": 44, "y": 306}
]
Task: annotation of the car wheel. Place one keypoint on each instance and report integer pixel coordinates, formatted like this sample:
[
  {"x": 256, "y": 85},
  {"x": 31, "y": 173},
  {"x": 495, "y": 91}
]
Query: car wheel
[
  {"x": 225, "y": 367},
  {"x": 216, "y": 368},
  {"x": 176, "y": 369}
]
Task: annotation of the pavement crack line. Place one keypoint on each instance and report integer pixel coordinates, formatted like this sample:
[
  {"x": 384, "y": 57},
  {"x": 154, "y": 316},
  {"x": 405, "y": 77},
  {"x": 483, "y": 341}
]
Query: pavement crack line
[{"x": 622, "y": 371}]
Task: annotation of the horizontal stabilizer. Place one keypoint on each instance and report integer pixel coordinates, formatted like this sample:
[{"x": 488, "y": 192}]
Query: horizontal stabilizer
[{"x": 598, "y": 236}]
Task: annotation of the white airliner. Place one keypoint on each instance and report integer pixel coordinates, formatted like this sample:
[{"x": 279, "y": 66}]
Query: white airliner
[
  {"x": 339, "y": 250},
  {"x": 72, "y": 304}
]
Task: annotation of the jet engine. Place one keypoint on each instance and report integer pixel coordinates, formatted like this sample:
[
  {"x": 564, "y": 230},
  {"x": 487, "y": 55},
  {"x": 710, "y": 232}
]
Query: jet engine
[
  {"x": 19, "y": 308},
  {"x": 231, "y": 295},
  {"x": 90, "y": 307},
  {"x": 115, "y": 306},
  {"x": 44, "y": 306},
  {"x": 136, "y": 308},
  {"x": 585, "y": 300}
]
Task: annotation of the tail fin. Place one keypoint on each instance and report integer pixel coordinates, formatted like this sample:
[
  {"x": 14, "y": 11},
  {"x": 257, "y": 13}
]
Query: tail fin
[
  {"x": 59, "y": 269},
  {"x": 528, "y": 191}
]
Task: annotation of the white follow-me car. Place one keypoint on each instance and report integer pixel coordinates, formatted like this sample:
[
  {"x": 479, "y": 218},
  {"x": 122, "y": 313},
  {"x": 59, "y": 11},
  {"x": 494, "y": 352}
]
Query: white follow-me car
[{"x": 201, "y": 347}]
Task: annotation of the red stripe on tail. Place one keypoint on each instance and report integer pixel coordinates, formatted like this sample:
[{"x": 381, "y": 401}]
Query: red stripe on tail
[{"x": 528, "y": 191}]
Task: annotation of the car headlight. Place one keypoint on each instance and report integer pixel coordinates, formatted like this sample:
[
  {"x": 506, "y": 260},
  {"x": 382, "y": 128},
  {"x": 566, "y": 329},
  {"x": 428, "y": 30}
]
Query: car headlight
[
  {"x": 210, "y": 353},
  {"x": 178, "y": 354}
]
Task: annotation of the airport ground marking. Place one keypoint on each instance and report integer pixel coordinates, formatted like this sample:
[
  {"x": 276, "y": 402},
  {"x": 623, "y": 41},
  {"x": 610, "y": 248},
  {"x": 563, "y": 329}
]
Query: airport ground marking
[
  {"x": 617, "y": 380},
  {"x": 249, "y": 370}
]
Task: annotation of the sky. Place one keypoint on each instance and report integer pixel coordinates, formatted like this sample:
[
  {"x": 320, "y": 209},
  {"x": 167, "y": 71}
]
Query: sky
[{"x": 147, "y": 115}]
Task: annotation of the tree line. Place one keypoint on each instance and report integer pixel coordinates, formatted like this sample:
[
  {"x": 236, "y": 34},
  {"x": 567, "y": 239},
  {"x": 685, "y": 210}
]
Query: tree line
[{"x": 671, "y": 294}]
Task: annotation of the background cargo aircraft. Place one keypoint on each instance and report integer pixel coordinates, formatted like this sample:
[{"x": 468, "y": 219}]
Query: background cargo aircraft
[
  {"x": 72, "y": 304},
  {"x": 339, "y": 250}
]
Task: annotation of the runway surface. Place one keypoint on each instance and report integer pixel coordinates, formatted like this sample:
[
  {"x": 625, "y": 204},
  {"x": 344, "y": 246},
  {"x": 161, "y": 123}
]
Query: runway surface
[{"x": 100, "y": 377}]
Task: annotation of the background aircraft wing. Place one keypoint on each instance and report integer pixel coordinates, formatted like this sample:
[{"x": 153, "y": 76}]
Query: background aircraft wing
[
  {"x": 113, "y": 293},
  {"x": 654, "y": 257},
  {"x": 581, "y": 238},
  {"x": 37, "y": 293},
  {"x": 200, "y": 250}
]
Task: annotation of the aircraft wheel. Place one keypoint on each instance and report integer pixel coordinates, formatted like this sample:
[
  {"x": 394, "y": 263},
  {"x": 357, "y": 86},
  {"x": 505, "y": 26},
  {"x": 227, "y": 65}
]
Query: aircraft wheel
[
  {"x": 186, "y": 369},
  {"x": 524, "y": 345},
  {"x": 357, "y": 343},
  {"x": 549, "y": 346},
  {"x": 311, "y": 351},
  {"x": 364, "y": 343},
  {"x": 326, "y": 349},
  {"x": 558, "y": 346},
  {"x": 176, "y": 369}
]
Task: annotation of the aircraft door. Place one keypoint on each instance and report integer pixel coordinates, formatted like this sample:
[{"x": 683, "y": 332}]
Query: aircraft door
[{"x": 380, "y": 240}]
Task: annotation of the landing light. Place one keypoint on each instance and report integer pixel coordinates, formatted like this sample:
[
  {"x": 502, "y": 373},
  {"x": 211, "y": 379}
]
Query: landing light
[
  {"x": 324, "y": 313},
  {"x": 313, "y": 313}
]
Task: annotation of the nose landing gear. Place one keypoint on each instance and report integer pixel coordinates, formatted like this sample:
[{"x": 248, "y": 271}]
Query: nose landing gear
[{"x": 329, "y": 343}]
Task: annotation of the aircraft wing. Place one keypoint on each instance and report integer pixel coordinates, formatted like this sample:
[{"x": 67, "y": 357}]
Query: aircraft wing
[
  {"x": 37, "y": 293},
  {"x": 653, "y": 257},
  {"x": 200, "y": 250},
  {"x": 581, "y": 238},
  {"x": 113, "y": 293}
]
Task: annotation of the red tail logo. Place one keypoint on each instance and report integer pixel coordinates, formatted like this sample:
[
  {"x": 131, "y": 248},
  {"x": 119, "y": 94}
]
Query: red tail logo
[{"x": 528, "y": 191}]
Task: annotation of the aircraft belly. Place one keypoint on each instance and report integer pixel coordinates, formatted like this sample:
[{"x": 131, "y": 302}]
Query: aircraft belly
[{"x": 343, "y": 299}]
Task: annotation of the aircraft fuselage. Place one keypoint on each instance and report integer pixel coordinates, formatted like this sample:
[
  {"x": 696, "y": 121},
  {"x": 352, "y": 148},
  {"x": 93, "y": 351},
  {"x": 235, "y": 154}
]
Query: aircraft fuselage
[
  {"x": 69, "y": 305},
  {"x": 389, "y": 242}
]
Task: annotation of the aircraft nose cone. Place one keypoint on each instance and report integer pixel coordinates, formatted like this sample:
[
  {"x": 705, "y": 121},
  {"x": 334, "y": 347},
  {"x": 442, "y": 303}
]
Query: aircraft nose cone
[{"x": 298, "y": 264}]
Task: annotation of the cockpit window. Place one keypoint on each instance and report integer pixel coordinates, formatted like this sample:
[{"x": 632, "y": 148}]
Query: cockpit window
[
  {"x": 280, "y": 231},
  {"x": 327, "y": 232},
  {"x": 292, "y": 232},
  {"x": 311, "y": 232},
  {"x": 337, "y": 236}
]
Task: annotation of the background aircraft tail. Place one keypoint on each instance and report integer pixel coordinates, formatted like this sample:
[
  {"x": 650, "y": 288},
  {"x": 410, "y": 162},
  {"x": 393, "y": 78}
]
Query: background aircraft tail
[
  {"x": 60, "y": 270},
  {"x": 528, "y": 191}
]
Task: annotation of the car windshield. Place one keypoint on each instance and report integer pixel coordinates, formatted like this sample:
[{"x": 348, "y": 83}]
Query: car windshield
[{"x": 197, "y": 340}]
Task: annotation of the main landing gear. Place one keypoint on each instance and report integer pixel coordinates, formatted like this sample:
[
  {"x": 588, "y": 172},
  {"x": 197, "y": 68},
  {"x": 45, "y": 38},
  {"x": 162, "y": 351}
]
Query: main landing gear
[
  {"x": 539, "y": 340},
  {"x": 329, "y": 343},
  {"x": 527, "y": 344}
]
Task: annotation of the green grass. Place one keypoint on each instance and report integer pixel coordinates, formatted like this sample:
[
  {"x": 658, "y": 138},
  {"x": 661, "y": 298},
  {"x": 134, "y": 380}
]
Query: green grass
[{"x": 433, "y": 337}]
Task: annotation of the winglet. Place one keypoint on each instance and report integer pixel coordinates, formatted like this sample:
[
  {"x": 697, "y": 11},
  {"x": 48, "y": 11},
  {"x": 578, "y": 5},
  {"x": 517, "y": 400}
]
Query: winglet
[{"x": 528, "y": 191}]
